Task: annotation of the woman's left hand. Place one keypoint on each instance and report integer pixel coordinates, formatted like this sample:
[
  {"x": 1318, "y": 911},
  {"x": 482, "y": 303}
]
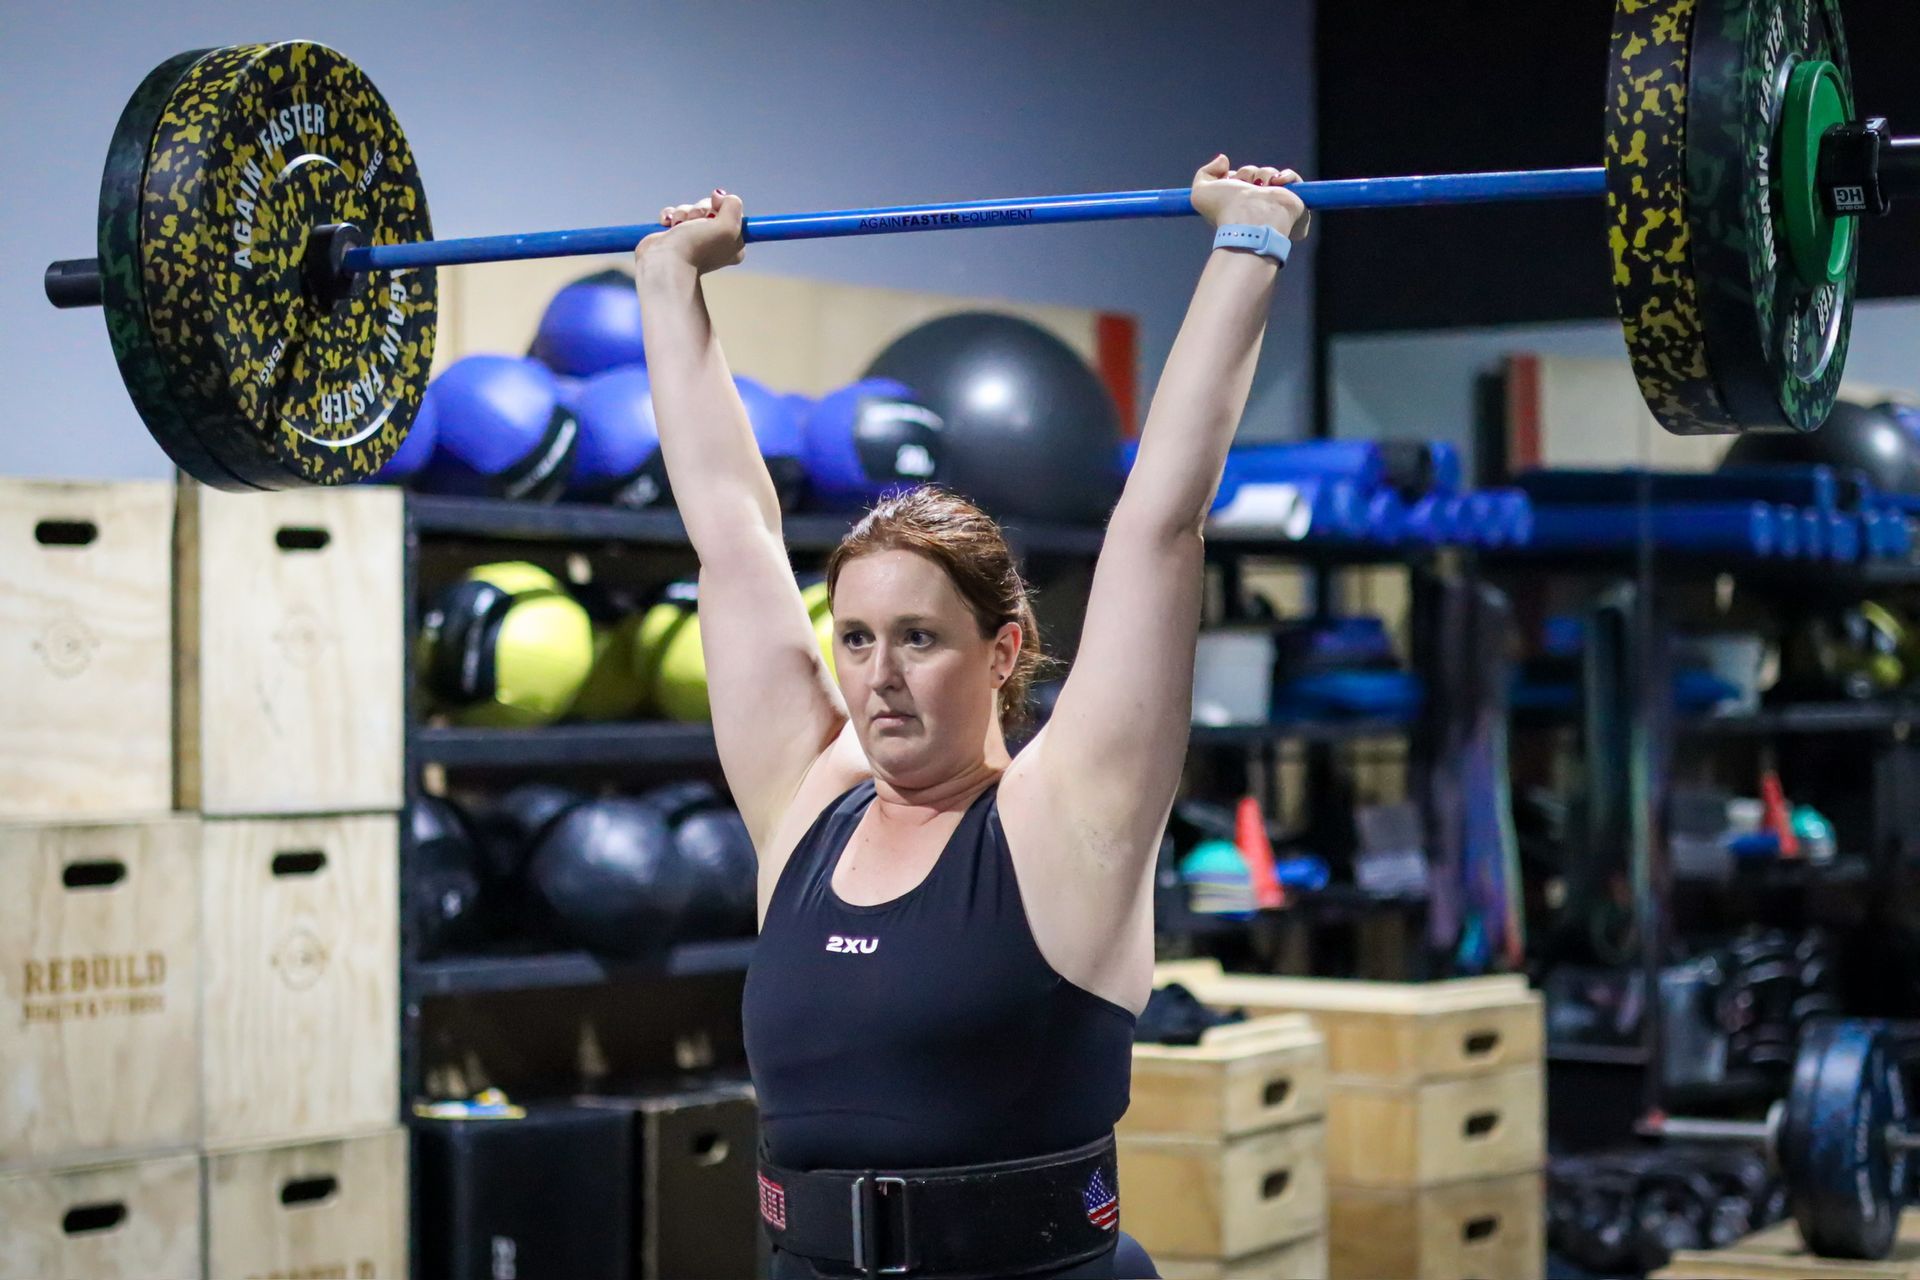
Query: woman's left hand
[{"x": 1255, "y": 195}]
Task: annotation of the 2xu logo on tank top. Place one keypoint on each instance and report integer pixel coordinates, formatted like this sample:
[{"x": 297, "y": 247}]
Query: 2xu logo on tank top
[{"x": 852, "y": 946}]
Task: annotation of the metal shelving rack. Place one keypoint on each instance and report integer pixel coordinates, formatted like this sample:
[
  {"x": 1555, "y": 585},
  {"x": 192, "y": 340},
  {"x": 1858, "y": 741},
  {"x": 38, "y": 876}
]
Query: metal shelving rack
[{"x": 1655, "y": 731}]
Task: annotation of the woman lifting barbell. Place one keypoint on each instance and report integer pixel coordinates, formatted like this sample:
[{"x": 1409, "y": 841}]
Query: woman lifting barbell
[{"x": 954, "y": 942}]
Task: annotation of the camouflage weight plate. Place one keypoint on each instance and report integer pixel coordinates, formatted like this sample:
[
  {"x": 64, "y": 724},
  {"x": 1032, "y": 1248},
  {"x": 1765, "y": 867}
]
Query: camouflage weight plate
[
  {"x": 141, "y": 366},
  {"x": 257, "y": 146},
  {"x": 1722, "y": 333},
  {"x": 1776, "y": 346}
]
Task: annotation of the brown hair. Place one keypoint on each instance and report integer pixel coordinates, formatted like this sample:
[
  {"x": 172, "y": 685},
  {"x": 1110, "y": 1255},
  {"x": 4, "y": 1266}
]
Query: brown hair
[{"x": 965, "y": 542}]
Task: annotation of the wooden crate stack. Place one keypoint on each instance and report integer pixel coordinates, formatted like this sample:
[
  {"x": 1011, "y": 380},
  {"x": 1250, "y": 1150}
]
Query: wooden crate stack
[
  {"x": 200, "y": 764},
  {"x": 1222, "y": 1153},
  {"x": 1435, "y": 1118}
]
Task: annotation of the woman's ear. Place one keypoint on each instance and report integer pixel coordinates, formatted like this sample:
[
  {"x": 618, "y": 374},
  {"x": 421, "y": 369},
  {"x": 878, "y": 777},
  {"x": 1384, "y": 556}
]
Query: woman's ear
[{"x": 1006, "y": 652}]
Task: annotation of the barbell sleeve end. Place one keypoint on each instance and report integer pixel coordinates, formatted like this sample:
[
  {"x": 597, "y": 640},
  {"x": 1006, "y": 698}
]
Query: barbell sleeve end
[
  {"x": 1900, "y": 169},
  {"x": 73, "y": 282},
  {"x": 1901, "y": 1140}
]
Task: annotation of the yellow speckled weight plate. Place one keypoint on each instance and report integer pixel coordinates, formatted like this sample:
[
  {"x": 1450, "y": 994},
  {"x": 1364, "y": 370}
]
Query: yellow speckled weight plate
[{"x": 257, "y": 146}]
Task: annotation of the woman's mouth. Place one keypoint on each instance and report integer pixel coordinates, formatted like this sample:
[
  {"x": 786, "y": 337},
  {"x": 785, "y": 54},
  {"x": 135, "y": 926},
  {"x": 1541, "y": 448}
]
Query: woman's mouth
[{"x": 890, "y": 719}]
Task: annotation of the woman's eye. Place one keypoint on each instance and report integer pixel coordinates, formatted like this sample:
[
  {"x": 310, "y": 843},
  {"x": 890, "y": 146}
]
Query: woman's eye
[
  {"x": 854, "y": 639},
  {"x": 919, "y": 638}
]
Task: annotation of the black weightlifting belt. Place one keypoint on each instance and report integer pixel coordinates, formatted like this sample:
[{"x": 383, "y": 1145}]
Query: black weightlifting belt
[{"x": 966, "y": 1223}]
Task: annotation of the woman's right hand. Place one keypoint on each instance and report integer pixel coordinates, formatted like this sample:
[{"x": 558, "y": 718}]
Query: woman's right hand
[{"x": 706, "y": 236}]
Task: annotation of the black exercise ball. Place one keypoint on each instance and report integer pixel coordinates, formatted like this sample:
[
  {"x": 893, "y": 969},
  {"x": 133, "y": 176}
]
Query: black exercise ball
[
  {"x": 1029, "y": 429},
  {"x": 674, "y": 801},
  {"x": 610, "y": 879},
  {"x": 511, "y": 827},
  {"x": 719, "y": 855},
  {"x": 1854, "y": 437},
  {"x": 449, "y": 892}
]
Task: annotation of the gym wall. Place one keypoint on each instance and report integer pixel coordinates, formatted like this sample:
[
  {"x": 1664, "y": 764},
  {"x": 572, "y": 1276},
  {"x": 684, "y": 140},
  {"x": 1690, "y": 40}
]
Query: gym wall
[
  {"x": 530, "y": 117},
  {"x": 1420, "y": 385}
]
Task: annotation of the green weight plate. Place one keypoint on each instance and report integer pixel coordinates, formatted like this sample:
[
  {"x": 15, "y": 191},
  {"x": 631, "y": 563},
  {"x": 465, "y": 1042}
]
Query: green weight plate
[
  {"x": 1845, "y": 1181},
  {"x": 1775, "y": 347},
  {"x": 123, "y": 302},
  {"x": 1819, "y": 246},
  {"x": 258, "y": 146}
]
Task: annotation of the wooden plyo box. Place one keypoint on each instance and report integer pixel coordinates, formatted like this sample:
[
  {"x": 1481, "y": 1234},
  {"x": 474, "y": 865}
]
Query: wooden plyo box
[
  {"x": 1212, "y": 1199},
  {"x": 1490, "y": 1228},
  {"x": 1442, "y": 1131},
  {"x": 301, "y": 977},
  {"x": 334, "y": 1208},
  {"x": 1391, "y": 1033},
  {"x": 129, "y": 1221},
  {"x": 1241, "y": 1078},
  {"x": 99, "y": 988},
  {"x": 289, "y": 670},
  {"x": 86, "y": 648},
  {"x": 1302, "y": 1259}
]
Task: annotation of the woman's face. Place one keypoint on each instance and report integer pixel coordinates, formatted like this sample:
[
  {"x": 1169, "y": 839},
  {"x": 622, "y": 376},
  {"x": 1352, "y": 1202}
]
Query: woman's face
[{"x": 920, "y": 681}]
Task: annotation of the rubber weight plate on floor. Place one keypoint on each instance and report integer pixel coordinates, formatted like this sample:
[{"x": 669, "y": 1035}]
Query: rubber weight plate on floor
[{"x": 1846, "y": 1181}]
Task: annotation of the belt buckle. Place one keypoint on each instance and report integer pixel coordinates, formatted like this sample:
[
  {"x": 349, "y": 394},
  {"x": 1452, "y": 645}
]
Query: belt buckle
[{"x": 868, "y": 1191}]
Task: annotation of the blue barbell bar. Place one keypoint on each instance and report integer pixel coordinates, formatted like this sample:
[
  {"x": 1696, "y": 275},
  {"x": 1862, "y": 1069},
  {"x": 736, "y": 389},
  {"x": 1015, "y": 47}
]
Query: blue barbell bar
[{"x": 1174, "y": 202}]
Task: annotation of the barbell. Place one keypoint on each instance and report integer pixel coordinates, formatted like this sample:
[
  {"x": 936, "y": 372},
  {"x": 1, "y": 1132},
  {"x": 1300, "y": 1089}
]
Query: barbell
[
  {"x": 264, "y": 257},
  {"x": 1839, "y": 1138}
]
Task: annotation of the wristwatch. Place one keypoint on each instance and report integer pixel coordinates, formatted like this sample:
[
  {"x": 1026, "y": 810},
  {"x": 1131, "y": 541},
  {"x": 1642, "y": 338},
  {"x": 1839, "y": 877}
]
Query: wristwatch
[{"x": 1263, "y": 240}]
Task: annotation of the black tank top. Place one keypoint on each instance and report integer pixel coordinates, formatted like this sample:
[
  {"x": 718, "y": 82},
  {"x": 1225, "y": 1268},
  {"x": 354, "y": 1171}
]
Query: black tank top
[{"x": 926, "y": 1031}]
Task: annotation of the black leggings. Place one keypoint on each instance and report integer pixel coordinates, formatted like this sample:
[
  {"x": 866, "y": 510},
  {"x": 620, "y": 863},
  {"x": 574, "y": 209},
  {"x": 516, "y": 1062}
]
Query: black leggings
[{"x": 1125, "y": 1261}]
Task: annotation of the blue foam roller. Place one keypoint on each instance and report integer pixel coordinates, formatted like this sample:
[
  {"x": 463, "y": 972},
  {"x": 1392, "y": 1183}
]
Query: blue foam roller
[
  {"x": 1733, "y": 528},
  {"x": 1480, "y": 521},
  {"x": 1358, "y": 462},
  {"x": 1786, "y": 532},
  {"x": 1422, "y": 524},
  {"x": 1802, "y": 486},
  {"x": 1386, "y": 518},
  {"x": 1339, "y": 511},
  {"x": 1873, "y": 534},
  {"x": 1813, "y": 533},
  {"x": 1516, "y": 516},
  {"x": 1843, "y": 537},
  {"x": 1450, "y": 519},
  {"x": 1899, "y": 535},
  {"x": 1444, "y": 461}
]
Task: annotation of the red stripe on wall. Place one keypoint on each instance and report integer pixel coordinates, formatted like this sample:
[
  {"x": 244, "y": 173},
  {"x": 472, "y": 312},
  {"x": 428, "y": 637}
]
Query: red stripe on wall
[
  {"x": 1117, "y": 343},
  {"x": 1523, "y": 413}
]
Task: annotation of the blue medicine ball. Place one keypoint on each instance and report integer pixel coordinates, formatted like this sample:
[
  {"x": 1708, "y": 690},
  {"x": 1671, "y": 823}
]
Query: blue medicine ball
[
  {"x": 619, "y": 457},
  {"x": 591, "y": 325},
  {"x": 503, "y": 430},
  {"x": 777, "y": 429},
  {"x": 416, "y": 449},
  {"x": 865, "y": 439}
]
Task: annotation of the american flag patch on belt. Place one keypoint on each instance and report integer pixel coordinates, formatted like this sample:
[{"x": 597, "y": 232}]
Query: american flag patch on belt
[
  {"x": 773, "y": 1203},
  {"x": 1103, "y": 1205}
]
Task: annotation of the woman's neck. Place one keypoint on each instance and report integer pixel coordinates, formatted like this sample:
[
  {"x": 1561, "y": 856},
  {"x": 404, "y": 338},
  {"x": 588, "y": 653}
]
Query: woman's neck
[{"x": 923, "y": 803}]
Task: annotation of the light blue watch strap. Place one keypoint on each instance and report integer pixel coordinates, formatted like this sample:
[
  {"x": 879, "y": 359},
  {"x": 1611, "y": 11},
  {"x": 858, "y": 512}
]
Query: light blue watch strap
[{"x": 1263, "y": 240}]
